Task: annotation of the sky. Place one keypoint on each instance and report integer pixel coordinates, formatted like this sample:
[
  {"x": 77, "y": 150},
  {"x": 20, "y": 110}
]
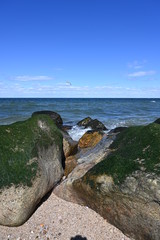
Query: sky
[{"x": 80, "y": 48}]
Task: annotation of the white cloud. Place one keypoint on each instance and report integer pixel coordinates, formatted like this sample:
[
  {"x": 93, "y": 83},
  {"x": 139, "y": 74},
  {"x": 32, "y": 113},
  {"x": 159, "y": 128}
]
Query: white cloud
[
  {"x": 141, "y": 73},
  {"x": 25, "y": 78}
]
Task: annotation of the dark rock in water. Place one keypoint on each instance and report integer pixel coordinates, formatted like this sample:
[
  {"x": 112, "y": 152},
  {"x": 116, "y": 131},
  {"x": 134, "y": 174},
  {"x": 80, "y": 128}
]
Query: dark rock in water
[
  {"x": 157, "y": 121},
  {"x": 96, "y": 125},
  {"x": 84, "y": 122},
  {"x": 117, "y": 130},
  {"x": 66, "y": 127},
  {"x": 30, "y": 166},
  {"x": 125, "y": 187},
  {"x": 90, "y": 138},
  {"x": 53, "y": 115}
]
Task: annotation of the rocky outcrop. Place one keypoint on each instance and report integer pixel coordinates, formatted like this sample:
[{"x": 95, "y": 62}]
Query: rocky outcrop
[
  {"x": 85, "y": 160},
  {"x": 96, "y": 125},
  {"x": 53, "y": 115},
  {"x": 93, "y": 124},
  {"x": 30, "y": 166},
  {"x": 125, "y": 187},
  {"x": 90, "y": 139},
  {"x": 84, "y": 122}
]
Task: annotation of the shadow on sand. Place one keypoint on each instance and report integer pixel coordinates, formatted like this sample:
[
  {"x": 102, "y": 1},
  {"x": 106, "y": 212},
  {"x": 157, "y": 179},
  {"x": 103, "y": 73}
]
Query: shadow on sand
[{"x": 78, "y": 237}]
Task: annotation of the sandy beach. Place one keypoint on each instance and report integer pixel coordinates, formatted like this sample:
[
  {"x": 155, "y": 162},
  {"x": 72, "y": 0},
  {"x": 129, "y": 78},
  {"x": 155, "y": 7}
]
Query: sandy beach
[{"x": 61, "y": 220}]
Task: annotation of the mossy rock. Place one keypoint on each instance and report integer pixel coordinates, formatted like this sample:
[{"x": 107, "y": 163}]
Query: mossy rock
[
  {"x": 19, "y": 144},
  {"x": 30, "y": 166},
  {"x": 136, "y": 148}
]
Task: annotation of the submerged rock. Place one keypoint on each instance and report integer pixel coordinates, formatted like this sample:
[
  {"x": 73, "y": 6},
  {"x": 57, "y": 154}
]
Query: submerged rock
[
  {"x": 30, "y": 165},
  {"x": 125, "y": 187}
]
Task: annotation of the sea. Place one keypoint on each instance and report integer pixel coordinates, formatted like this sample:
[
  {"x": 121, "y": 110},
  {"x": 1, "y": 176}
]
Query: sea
[{"x": 113, "y": 112}]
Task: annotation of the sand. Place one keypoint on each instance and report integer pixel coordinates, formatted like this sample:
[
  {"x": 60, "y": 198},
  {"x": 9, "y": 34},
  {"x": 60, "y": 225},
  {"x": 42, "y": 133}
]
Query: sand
[{"x": 58, "y": 219}]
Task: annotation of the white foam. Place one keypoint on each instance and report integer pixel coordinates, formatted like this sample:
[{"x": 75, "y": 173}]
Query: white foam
[{"x": 77, "y": 132}]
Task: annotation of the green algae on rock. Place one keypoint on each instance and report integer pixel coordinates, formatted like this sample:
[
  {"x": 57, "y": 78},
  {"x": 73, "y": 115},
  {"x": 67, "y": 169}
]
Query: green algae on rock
[
  {"x": 31, "y": 154},
  {"x": 136, "y": 148},
  {"x": 125, "y": 187},
  {"x": 19, "y": 144}
]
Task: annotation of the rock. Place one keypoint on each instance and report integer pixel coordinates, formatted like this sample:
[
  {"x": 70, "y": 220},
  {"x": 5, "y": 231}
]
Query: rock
[
  {"x": 69, "y": 145},
  {"x": 53, "y": 115},
  {"x": 30, "y": 166},
  {"x": 93, "y": 124},
  {"x": 157, "y": 121},
  {"x": 125, "y": 187},
  {"x": 96, "y": 125},
  {"x": 85, "y": 160},
  {"x": 66, "y": 127},
  {"x": 117, "y": 130},
  {"x": 70, "y": 164},
  {"x": 84, "y": 122},
  {"x": 90, "y": 139}
]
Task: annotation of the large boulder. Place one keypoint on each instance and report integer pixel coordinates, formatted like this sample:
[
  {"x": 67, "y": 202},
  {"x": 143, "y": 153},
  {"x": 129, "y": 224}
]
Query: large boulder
[
  {"x": 53, "y": 115},
  {"x": 125, "y": 187},
  {"x": 90, "y": 138},
  {"x": 30, "y": 165}
]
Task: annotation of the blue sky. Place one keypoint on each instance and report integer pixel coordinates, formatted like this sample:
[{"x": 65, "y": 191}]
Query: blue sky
[{"x": 80, "y": 48}]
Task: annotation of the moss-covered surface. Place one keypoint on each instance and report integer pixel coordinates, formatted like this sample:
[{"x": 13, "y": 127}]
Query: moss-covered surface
[
  {"x": 19, "y": 143},
  {"x": 136, "y": 148}
]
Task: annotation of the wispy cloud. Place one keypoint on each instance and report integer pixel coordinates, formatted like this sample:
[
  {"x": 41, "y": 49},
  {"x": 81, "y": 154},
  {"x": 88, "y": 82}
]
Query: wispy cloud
[
  {"x": 141, "y": 73},
  {"x": 137, "y": 64},
  {"x": 25, "y": 78}
]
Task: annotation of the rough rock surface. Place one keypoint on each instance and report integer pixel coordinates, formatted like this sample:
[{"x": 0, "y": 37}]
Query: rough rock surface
[
  {"x": 70, "y": 164},
  {"x": 69, "y": 145},
  {"x": 96, "y": 125},
  {"x": 90, "y": 139},
  {"x": 125, "y": 187},
  {"x": 53, "y": 115},
  {"x": 84, "y": 122},
  {"x": 85, "y": 160},
  {"x": 30, "y": 165}
]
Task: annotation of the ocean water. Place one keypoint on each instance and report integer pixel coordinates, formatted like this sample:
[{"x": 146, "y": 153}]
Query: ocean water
[{"x": 112, "y": 112}]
